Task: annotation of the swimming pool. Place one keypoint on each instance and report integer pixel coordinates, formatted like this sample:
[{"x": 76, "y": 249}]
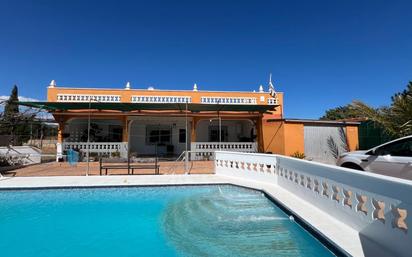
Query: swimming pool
[{"x": 149, "y": 221}]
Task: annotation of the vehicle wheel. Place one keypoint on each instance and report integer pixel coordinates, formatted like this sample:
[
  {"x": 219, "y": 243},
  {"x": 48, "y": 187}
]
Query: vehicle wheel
[{"x": 351, "y": 166}]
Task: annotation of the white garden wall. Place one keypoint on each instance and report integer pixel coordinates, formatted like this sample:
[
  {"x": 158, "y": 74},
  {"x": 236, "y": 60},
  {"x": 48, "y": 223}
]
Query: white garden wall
[{"x": 376, "y": 206}]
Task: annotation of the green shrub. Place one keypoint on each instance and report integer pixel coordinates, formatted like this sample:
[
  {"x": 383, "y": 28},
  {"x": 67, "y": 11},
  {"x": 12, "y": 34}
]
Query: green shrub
[
  {"x": 93, "y": 155},
  {"x": 116, "y": 154},
  {"x": 298, "y": 155}
]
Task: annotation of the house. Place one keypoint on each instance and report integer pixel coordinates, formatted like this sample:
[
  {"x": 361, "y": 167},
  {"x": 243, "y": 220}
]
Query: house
[{"x": 144, "y": 122}]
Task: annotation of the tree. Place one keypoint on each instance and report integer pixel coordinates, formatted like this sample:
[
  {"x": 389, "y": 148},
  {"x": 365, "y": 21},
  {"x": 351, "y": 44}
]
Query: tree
[
  {"x": 340, "y": 113},
  {"x": 13, "y": 123},
  {"x": 396, "y": 119},
  {"x": 11, "y": 108},
  {"x": 10, "y": 115}
]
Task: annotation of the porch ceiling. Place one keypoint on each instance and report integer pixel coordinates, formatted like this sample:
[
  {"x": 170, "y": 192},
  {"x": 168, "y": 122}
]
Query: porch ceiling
[{"x": 193, "y": 107}]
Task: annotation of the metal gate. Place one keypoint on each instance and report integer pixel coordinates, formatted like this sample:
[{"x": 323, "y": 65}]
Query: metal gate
[{"x": 324, "y": 143}]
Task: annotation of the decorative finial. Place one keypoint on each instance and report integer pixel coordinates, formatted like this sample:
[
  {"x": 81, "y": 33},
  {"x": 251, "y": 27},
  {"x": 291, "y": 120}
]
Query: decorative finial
[
  {"x": 52, "y": 83},
  {"x": 272, "y": 91},
  {"x": 195, "y": 87},
  {"x": 261, "y": 89},
  {"x": 127, "y": 87}
]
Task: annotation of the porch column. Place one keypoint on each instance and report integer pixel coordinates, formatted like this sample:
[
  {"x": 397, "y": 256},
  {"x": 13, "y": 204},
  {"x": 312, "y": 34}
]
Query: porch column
[
  {"x": 60, "y": 130},
  {"x": 125, "y": 137},
  {"x": 259, "y": 134},
  {"x": 193, "y": 130},
  {"x": 59, "y": 144},
  {"x": 125, "y": 132}
]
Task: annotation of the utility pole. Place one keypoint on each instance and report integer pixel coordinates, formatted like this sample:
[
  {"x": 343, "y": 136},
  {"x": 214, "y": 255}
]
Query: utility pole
[
  {"x": 186, "y": 153},
  {"x": 220, "y": 131},
  {"x": 88, "y": 137}
]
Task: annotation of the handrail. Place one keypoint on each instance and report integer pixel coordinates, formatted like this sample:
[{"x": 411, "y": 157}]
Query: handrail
[
  {"x": 182, "y": 157},
  {"x": 175, "y": 161}
]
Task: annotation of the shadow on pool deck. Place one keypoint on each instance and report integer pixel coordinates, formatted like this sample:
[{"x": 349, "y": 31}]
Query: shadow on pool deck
[{"x": 64, "y": 169}]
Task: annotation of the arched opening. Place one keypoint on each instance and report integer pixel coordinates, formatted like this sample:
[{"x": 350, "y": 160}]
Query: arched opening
[
  {"x": 165, "y": 136},
  {"x": 241, "y": 130},
  {"x": 237, "y": 135},
  {"x": 101, "y": 130}
]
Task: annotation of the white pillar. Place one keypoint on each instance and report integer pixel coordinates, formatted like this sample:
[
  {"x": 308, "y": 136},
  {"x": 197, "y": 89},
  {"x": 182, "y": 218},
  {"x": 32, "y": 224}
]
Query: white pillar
[{"x": 59, "y": 151}]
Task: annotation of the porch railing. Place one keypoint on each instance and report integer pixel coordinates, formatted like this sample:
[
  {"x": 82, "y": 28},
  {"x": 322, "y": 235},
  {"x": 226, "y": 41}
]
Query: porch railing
[
  {"x": 98, "y": 147},
  {"x": 246, "y": 147},
  {"x": 205, "y": 150}
]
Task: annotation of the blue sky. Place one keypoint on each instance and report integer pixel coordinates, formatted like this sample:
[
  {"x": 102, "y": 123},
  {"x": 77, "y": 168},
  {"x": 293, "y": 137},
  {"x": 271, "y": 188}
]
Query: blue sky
[{"x": 322, "y": 53}]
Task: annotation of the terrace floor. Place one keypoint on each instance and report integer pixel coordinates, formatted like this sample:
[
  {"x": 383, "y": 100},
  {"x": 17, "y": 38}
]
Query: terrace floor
[{"x": 64, "y": 169}]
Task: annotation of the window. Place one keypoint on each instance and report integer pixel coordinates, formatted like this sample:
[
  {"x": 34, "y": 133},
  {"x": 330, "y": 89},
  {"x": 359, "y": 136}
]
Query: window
[
  {"x": 157, "y": 134},
  {"x": 115, "y": 133},
  {"x": 182, "y": 135},
  {"x": 214, "y": 133},
  {"x": 401, "y": 148}
]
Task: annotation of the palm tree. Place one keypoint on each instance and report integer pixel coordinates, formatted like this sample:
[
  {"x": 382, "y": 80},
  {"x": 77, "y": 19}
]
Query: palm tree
[{"x": 396, "y": 119}]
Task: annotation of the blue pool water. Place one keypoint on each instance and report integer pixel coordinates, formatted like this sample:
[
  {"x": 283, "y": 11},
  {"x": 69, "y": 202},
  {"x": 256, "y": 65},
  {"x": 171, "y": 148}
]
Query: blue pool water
[{"x": 149, "y": 221}]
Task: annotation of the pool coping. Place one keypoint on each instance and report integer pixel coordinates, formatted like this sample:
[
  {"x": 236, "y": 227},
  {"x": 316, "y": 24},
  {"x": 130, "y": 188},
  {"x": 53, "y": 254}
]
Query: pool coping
[{"x": 30, "y": 183}]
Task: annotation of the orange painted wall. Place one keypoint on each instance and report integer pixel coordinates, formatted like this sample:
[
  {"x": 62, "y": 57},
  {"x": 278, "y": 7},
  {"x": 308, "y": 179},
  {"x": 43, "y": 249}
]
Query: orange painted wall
[
  {"x": 281, "y": 137},
  {"x": 273, "y": 137},
  {"x": 126, "y": 95},
  {"x": 294, "y": 138}
]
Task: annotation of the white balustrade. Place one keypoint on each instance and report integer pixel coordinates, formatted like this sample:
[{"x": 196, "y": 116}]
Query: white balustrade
[
  {"x": 79, "y": 98},
  {"x": 227, "y": 100},
  {"x": 272, "y": 101},
  {"x": 378, "y": 207},
  {"x": 98, "y": 147},
  {"x": 160, "y": 99},
  {"x": 205, "y": 150},
  {"x": 248, "y": 147}
]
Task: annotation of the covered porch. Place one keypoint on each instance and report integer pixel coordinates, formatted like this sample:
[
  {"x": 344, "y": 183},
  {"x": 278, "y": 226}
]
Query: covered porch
[
  {"x": 103, "y": 136},
  {"x": 145, "y": 136},
  {"x": 223, "y": 134},
  {"x": 160, "y": 129}
]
